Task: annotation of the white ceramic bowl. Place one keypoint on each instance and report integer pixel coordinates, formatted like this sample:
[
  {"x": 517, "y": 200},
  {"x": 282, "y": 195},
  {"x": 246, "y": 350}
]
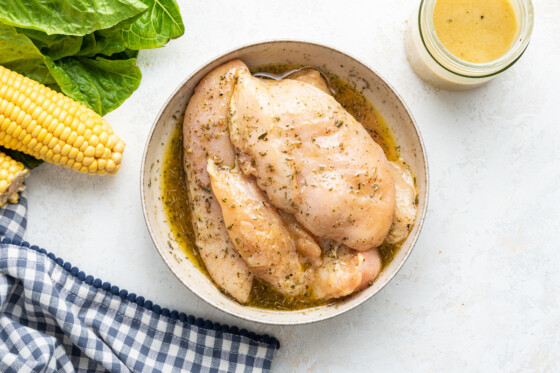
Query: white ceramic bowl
[{"x": 383, "y": 97}]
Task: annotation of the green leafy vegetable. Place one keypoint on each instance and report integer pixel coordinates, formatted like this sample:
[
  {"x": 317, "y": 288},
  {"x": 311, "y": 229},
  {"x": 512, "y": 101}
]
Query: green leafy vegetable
[
  {"x": 68, "y": 17},
  {"x": 95, "y": 44},
  {"x": 54, "y": 46},
  {"x": 161, "y": 22},
  {"x": 18, "y": 53},
  {"x": 124, "y": 55},
  {"x": 99, "y": 83}
]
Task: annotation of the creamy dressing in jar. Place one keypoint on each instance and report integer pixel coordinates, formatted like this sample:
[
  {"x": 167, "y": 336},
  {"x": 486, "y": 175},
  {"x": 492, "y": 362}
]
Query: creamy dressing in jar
[
  {"x": 476, "y": 30},
  {"x": 460, "y": 44}
]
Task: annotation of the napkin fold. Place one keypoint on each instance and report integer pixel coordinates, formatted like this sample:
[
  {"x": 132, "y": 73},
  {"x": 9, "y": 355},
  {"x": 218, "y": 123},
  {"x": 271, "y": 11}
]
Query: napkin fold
[{"x": 54, "y": 318}]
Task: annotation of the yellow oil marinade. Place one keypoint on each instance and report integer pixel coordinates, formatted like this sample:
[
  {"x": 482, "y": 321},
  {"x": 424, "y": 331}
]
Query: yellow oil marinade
[
  {"x": 175, "y": 197},
  {"x": 175, "y": 191}
]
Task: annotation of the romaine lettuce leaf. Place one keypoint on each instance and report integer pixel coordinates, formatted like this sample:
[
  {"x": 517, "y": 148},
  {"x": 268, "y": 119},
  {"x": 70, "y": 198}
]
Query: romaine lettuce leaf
[
  {"x": 98, "y": 43},
  {"x": 54, "y": 46},
  {"x": 153, "y": 28},
  {"x": 124, "y": 55},
  {"x": 99, "y": 83},
  {"x": 68, "y": 17},
  {"x": 19, "y": 54}
]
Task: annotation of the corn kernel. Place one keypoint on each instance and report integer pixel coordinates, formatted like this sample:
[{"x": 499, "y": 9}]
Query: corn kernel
[
  {"x": 66, "y": 149},
  {"x": 92, "y": 167},
  {"x": 73, "y": 153},
  {"x": 52, "y": 125},
  {"x": 90, "y": 151},
  {"x": 11, "y": 128},
  {"x": 110, "y": 165},
  {"x": 31, "y": 144},
  {"x": 26, "y": 139},
  {"x": 17, "y": 132},
  {"x": 42, "y": 135},
  {"x": 93, "y": 140},
  {"x": 64, "y": 135},
  {"x": 101, "y": 163},
  {"x": 58, "y": 131},
  {"x": 119, "y": 147},
  {"x": 26, "y": 121},
  {"x": 36, "y": 132},
  {"x": 99, "y": 150},
  {"x": 103, "y": 137},
  {"x": 87, "y": 161},
  {"x": 79, "y": 142},
  {"x": 72, "y": 138},
  {"x": 52, "y": 143},
  {"x": 81, "y": 128},
  {"x": 37, "y": 148}
]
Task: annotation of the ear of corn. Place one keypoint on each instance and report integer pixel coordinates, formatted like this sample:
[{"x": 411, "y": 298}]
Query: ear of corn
[
  {"x": 12, "y": 174},
  {"x": 50, "y": 126}
]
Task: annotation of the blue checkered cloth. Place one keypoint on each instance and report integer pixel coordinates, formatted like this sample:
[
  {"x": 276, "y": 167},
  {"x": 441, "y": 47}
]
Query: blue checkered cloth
[{"x": 54, "y": 318}]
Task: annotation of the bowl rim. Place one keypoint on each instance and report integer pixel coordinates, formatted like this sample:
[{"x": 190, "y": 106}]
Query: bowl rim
[{"x": 339, "y": 311}]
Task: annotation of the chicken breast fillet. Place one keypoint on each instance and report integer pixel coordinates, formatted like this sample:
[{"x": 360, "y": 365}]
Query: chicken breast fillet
[
  {"x": 312, "y": 77},
  {"x": 344, "y": 271},
  {"x": 205, "y": 135},
  {"x": 257, "y": 230},
  {"x": 405, "y": 206},
  {"x": 312, "y": 159},
  {"x": 305, "y": 243}
]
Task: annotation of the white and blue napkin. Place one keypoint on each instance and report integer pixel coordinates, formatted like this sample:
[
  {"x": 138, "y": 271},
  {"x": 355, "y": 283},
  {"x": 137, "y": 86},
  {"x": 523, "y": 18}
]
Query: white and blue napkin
[{"x": 54, "y": 318}]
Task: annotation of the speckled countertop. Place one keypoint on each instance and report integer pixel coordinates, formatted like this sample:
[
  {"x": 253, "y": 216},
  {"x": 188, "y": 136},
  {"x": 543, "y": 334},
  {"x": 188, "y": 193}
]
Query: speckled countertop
[{"x": 480, "y": 291}]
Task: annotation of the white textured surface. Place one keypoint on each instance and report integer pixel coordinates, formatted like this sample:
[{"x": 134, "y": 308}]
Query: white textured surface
[{"x": 480, "y": 291}]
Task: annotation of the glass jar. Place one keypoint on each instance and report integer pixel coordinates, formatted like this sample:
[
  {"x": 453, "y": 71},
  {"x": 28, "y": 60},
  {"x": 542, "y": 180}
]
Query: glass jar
[{"x": 436, "y": 65}]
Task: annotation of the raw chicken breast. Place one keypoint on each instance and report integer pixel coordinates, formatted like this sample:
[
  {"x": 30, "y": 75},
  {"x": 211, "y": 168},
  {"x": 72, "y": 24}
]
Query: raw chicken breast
[
  {"x": 313, "y": 160},
  {"x": 405, "y": 206},
  {"x": 345, "y": 271},
  {"x": 257, "y": 230},
  {"x": 205, "y": 135},
  {"x": 313, "y": 77},
  {"x": 305, "y": 243}
]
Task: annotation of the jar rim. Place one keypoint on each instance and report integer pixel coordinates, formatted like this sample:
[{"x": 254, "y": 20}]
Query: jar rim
[{"x": 460, "y": 67}]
